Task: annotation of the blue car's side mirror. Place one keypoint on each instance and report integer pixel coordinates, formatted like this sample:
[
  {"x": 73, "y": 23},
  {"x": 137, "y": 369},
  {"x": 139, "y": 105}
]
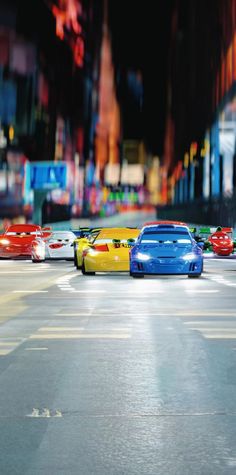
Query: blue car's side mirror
[{"x": 200, "y": 244}]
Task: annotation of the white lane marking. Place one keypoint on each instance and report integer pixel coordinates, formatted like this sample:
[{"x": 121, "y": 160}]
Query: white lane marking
[
  {"x": 201, "y": 291},
  {"x": 212, "y": 322},
  {"x": 220, "y": 336},
  {"x": 81, "y": 314},
  {"x": 60, "y": 329},
  {"x": 6, "y": 262},
  {"x": 213, "y": 330},
  {"x": 78, "y": 336},
  {"x": 221, "y": 280},
  {"x": 232, "y": 261},
  {"x": 135, "y": 292},
  {"x": 29, "y": 291},
  {"x": 90, "y": 291},
  {"x": 36, "y": 349},
  {"x": 148, "y": 314},
  {"x": 66, "y": 277},
  {"x": 16, "y": 272},
  {"x": 64, "y": 283},
  {"x": 45, "y": 412}
]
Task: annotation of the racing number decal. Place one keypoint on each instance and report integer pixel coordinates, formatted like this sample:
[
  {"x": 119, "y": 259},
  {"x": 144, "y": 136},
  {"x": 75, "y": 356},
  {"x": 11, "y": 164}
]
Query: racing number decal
[{"x": 118, "y": 244}]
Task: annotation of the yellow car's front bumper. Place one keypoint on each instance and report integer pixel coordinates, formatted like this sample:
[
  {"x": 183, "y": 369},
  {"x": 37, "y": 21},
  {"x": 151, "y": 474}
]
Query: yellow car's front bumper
[{"x": 100, "y": 263}]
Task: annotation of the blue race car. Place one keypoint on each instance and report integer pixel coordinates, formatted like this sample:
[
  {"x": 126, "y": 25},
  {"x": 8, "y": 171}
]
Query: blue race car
[{"x": 166, "y": 249}]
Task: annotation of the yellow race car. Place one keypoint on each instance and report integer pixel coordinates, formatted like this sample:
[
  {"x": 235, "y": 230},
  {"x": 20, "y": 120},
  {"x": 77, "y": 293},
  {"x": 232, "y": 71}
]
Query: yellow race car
[
  {"x": 82, "y": 242},
  {"x": 109, "y": 251}
]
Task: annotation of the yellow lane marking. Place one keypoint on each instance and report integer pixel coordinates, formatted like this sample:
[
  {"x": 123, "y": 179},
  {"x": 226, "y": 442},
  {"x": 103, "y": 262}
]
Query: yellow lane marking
[
  {"x": 4, "y": 352},
  {"x": 29, "y": 291},
  {"x": 9, "y": 343},
  {"x": 9, "y": 298},
  {"x": 56, "y": 336}
]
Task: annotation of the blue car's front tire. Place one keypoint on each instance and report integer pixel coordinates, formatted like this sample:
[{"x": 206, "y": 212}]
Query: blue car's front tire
[{"x": 136, "y": 275}]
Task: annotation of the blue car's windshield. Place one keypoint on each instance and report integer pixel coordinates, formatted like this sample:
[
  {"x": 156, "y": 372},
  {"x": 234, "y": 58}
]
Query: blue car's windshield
[{"x": 170, "y": 237}]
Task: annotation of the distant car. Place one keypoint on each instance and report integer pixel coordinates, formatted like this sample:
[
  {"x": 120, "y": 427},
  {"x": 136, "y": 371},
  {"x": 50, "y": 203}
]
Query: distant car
[
  {"x": 17, "y": 240},
  {"x": 109, "y": 251},
  {"x": 57, "y": 245},
  {"x": 82, "y": 242},
  {"x": 221, "y": 242},
  {"x": 166, "y": 249},
  {"x": 217, "y": 240},
  {"x": 81, "y": 232},
  {"x": 165, "y": 221}
]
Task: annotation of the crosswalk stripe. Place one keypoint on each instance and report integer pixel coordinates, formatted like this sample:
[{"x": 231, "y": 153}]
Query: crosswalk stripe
[
  {"x": 57, "y": 336},
  {"x": 4, "y": 352}
]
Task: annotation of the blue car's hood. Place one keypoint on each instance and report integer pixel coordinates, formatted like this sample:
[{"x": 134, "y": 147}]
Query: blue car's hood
[{"x": 164, "y": 250}]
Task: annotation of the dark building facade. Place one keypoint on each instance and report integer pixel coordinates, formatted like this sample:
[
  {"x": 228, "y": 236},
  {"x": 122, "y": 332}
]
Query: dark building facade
[
  {"x": 199, "y": 153},
  {"x": 49, "y": 72}
]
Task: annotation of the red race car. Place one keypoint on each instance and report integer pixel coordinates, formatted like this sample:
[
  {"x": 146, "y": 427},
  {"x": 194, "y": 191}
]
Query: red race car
[
  {"x": 221, "y": 242},
  {"x": 17, "y": 240}
]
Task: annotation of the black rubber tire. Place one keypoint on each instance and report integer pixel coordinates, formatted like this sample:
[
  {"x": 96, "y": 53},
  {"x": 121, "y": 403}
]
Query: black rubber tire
[
  {"x": 36, "y": 261},
  {"x": 84, "y": 271},
  {"x": 76, "y": 262},
  {"x": 194, "y": 276},
  {"x": 136, "y": 276}
]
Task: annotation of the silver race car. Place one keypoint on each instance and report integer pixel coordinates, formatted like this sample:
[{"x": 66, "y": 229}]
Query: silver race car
[{"x": 55, "y": 245}]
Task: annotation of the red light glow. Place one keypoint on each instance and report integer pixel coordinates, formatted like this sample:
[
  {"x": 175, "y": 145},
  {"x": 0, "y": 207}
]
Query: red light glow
[{"x": 68, "y": 27}]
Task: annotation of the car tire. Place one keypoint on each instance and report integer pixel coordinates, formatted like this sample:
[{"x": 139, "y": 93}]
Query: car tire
[
  {"x": 136, "y": 276},
  {"x": 76, "y": 263},
  {"x": 35, "y": 261},
  {"x": 194, "y": 276},
  {"x": 84, "y": 271}
]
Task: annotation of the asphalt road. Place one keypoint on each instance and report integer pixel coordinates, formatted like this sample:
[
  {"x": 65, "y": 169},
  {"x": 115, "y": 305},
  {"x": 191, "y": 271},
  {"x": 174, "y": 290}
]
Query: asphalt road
[{"x": 108, "y": 375}]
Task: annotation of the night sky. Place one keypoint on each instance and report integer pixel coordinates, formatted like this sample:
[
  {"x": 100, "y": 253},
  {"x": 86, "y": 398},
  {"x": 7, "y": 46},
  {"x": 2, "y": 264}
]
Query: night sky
[{"x": 140, "y": 40}]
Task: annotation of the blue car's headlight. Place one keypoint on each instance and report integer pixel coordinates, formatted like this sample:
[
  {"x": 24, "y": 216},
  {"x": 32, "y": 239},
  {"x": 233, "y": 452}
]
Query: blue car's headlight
[
  {"x": 142, "y": 257},
  {"x": 189, "y": 257}
]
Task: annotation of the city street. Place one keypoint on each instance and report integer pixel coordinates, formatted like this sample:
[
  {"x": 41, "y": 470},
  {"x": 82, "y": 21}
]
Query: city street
[{"x": 109, "y": 375}]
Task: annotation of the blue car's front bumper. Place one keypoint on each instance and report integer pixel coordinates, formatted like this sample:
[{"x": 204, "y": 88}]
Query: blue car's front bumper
[{"x": 167, "y": 266}]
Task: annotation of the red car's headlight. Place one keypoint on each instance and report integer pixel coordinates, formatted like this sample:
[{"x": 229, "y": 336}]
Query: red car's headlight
[{"x": 4, "y": 242}]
